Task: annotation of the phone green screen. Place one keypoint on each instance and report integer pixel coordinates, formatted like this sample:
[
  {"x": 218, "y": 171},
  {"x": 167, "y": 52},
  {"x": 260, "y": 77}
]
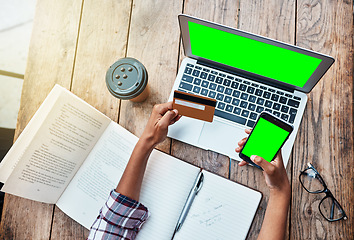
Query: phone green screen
[
  {"x": 250, "y": 55},
  {"x": 265, "y": 140}
]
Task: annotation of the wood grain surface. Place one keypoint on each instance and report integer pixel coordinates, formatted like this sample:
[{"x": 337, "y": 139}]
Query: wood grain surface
[
  {"x": 102, "y": 41},
  {"x": 50, "y": 61},
  {"x": 326, "y": 135},
  {"x": 74, "y": 42}
]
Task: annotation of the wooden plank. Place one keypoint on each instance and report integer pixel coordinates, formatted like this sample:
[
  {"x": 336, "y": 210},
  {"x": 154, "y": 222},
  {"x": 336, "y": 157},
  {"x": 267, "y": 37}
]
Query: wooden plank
[
  {"x": 154, "y": 41},
  {"x": 274, "y": 19},
  {"x": 326, "y": 134},
  {"x": 50, "y": 61},
  {"x": 102, "y": 41},
  {"x": 66, "y": 228},
  {"x": 224, "y": 12}
]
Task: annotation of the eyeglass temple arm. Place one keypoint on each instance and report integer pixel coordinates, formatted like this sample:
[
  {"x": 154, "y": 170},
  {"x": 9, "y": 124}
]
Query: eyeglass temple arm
[{"x": 332, "y": 209}]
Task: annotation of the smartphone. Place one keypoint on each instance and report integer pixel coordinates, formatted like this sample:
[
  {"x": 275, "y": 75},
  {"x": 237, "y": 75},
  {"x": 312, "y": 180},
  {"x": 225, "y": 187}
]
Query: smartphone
[{"x": 266, "y": 138}]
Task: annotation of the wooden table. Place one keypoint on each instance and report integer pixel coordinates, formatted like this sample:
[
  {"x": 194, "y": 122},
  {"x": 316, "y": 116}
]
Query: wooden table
[{"x": 74, "y": 42}]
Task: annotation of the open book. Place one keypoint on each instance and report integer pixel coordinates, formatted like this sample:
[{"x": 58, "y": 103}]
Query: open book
[{"x": 72, "y": 155}]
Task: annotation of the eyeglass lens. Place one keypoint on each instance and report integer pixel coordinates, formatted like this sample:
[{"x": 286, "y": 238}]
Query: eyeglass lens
[
  {"x": 330, "y": 209},
  {"x": 311, "y": 181}
]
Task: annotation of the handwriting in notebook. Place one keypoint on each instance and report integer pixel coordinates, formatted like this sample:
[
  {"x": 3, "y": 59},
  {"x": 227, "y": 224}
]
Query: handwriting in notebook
[{"x": 210, "y": 215}]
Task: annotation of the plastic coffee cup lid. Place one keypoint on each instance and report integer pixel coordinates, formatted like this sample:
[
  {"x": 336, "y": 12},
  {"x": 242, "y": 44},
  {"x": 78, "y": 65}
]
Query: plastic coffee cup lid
[{"x": 126, "y": 78}]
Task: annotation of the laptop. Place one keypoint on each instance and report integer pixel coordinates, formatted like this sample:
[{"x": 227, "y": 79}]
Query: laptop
[{"x": 246, "y": 74}]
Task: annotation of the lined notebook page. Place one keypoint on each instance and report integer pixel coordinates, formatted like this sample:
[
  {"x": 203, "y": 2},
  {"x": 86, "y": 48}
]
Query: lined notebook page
[
  {"x": 165, "y": 188},
  {"x": 221, "y": 210}
]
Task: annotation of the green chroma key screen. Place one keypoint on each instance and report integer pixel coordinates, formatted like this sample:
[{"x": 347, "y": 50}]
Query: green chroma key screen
[
  {"x": 252, "y": 56},
  {"x": 265, "y": 140}
]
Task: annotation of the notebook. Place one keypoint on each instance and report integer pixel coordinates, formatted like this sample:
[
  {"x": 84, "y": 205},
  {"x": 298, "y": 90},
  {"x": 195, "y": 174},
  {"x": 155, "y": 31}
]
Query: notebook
[
  {"x": 246, "y": 74},
  {"x": 222, "y": 209}
]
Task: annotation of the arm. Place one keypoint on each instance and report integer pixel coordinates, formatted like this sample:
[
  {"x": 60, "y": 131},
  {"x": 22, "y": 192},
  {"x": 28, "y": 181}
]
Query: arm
[
  {"x": 155, "y": 132},
  {"x": 274, "y": 223},
  {"x": 122, "y": 214}
]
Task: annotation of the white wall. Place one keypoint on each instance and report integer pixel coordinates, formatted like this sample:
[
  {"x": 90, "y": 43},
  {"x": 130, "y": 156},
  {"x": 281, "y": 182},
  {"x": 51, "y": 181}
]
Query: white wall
[{"x": 16, "y": 20}]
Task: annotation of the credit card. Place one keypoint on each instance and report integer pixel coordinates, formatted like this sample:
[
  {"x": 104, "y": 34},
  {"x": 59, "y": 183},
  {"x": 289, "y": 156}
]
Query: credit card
[{"x": 194, "y": 106}]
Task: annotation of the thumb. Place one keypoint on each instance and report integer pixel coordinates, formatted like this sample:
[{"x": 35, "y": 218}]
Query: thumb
[
  {"x": 168, "y": 117},
  {"x": 267, "y": 166}
]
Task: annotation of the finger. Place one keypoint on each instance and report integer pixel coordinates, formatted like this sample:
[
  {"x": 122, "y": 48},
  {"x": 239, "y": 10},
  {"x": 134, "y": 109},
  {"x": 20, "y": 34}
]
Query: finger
[
  {"x": 248, "y": 131},
  {"x": 163, "y": 108},
  {"x": 242, "y": 142},
  {"x": 242, "y": 163},
  {"x": 167, "y": 118},
  {"x": 176, "y": 119},
  {"x": 168, "y": 105},
  {"x": 279, "y": 159},
  {"x": 267, "y": 166}
]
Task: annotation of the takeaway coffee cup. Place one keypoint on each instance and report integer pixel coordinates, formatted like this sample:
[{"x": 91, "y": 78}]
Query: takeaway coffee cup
[{"x": 127, "y": 79}]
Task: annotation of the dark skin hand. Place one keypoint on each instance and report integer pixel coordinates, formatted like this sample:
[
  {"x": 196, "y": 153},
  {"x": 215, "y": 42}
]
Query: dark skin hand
[{"x": 274, "y": 223}]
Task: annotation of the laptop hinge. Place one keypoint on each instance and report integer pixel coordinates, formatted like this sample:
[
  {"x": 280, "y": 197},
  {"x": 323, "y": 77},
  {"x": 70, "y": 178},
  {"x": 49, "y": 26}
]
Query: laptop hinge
[{"x": 245, "y": 76}]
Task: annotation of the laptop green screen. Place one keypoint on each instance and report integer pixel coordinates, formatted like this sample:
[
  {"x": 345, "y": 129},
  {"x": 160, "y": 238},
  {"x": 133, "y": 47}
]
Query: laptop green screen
[
  {"x": 250, "y": 55},
  {"x": 265, "y": 140}
]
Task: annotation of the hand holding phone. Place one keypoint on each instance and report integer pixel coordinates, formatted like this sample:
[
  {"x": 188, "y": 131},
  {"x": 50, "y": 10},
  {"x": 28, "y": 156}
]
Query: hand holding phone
[
  {"x": 267, "y": 137},
  {"x": 274, "y": 171}
]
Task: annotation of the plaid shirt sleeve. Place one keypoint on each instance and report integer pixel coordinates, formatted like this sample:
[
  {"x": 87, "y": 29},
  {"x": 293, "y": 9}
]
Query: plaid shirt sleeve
[{"x": 120, "y": 218}]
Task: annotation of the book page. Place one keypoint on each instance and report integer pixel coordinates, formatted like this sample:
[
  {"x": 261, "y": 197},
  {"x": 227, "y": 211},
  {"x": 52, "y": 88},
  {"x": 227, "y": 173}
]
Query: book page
[
  {"x": 8, "y": 164},
  {"x": 98, "y": 175},
  {"x": 57, "y": 150},
  {"x": 165, "y": 189},
  {"x": 222, "y": 210}
]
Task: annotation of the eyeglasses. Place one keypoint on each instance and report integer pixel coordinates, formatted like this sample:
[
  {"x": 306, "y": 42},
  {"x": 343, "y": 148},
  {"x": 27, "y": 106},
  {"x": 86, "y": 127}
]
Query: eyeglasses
[{"x": 329, "y": 207}]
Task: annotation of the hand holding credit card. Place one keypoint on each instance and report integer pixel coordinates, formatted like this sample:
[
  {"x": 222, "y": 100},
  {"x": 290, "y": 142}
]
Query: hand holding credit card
[{"x": 194, "y": 106}]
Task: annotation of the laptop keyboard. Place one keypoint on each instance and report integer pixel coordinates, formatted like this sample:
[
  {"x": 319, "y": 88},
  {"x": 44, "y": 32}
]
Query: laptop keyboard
[{"x": 238, "y": 99}]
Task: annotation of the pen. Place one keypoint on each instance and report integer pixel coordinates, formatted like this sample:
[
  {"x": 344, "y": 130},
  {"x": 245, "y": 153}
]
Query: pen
[{"x": 194, "y": 191}]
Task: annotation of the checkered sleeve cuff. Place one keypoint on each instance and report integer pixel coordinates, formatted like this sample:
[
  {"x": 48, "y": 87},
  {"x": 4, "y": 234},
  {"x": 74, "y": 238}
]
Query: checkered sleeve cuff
[{"x": 124, "y": 212}]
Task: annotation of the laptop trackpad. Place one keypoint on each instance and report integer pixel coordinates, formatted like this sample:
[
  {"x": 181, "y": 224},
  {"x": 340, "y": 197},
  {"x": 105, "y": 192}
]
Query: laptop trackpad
[
  {"x": 222, "y": 138},
  {"x": 186, "y": 130}
]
